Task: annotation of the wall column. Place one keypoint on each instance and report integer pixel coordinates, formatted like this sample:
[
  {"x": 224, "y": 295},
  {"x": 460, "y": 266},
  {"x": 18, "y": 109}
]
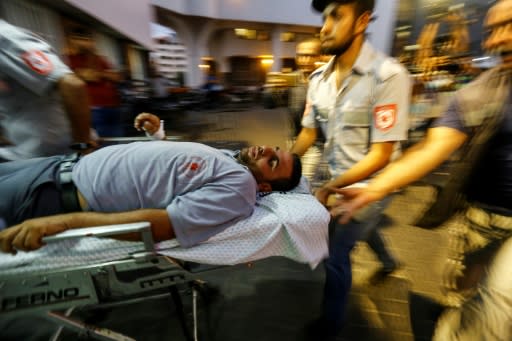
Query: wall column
[
  {"x": 382, "y": 30},
  {"x": 277, "y": 48}
]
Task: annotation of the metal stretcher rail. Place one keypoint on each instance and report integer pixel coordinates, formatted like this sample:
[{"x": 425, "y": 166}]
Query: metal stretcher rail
[{"x": 109, "y": 284}]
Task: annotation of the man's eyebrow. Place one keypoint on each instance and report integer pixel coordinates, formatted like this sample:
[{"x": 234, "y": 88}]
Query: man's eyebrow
[{"x": 331, "y": 12}]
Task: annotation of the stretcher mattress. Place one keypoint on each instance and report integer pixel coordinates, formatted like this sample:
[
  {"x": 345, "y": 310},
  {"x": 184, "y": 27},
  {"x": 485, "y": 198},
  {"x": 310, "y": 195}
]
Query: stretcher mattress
[{"x": 291, "y": 224}]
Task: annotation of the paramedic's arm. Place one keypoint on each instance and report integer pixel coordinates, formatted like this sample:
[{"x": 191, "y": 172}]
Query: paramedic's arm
[
  {"x": 305, "y": 139},
  {"x": 307, "y": 135},
  {"x": 28, "y": 235},
  {"x": 416, "y": 162},
  {"x": 376, "y": 159},
  {"x": 75, "y": 100}
]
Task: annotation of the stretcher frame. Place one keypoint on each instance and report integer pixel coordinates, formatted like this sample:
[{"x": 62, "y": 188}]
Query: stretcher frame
[{"x": 110, "y": 284}]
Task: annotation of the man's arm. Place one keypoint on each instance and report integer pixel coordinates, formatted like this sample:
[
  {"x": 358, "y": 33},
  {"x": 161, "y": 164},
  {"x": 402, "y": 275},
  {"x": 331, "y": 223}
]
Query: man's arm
[
  {"x": 305, "y": 139},
  {"x": 419, "y": 160},
  {"x": 76, "y": 104},
  {"x": 307, "y": 135},
  {"x": 376, "y": 159},
  {"x": 28, "y": 235}
]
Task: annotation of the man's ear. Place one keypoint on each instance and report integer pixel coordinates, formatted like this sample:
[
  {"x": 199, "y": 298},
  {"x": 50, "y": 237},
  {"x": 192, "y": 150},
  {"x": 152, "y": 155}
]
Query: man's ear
[
  {"x": 264, "y": 187},
  {"x": 363, "y": 21}
]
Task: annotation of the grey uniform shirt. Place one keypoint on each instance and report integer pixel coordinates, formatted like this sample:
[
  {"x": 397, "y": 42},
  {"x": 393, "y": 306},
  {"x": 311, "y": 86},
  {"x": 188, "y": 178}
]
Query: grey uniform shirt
[
  {"x": 371, "y": 106},
  {"x": 203, "y": 189},
  {"x": 31, "y": 114}
]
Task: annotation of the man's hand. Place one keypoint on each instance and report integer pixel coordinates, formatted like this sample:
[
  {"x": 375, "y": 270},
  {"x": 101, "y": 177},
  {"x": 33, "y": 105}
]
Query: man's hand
[
  {"x": 322, "y": 194},
  {"x": 28, "y": 235},
  {"x": 351, "y": 200},
  {"x": 147, "y": 122}
]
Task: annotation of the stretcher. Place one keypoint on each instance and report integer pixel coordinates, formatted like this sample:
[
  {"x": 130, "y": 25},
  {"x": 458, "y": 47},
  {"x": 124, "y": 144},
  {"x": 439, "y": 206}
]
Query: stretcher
[{"x": 87, "y": 268}]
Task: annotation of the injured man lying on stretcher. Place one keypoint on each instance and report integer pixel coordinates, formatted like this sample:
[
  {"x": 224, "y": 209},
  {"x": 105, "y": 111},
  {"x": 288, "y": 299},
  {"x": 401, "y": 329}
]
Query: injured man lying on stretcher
[
  {"x": 79, "y": 273},
  {"x": 77, "y": 269},
  {"x": 186, "y": 190}
]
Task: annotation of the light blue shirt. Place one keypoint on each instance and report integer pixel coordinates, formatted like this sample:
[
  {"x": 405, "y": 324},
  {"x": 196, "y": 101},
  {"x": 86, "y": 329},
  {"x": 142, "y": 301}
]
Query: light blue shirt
[
  {"x": 371, "y": 106},
  {"x": 32, "y": 117},
  {"x": 203, "y": 189}
]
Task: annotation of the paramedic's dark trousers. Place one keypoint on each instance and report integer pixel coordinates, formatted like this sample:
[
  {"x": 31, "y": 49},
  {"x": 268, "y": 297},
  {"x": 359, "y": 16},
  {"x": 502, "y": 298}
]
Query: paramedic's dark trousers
[{"x": 338, "y": 268}]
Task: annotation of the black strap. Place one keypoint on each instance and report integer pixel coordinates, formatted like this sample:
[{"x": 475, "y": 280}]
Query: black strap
[{"x": 65, "y": 183}]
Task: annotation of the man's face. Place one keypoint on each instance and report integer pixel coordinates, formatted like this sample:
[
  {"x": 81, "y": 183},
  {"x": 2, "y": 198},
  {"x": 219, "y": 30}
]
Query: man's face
[
  {"x": 307, "y": 54},
  {"x": 266, "y": 163},
  {"x": 498, "y": 25},
  {"x": 338, "y": 30}
]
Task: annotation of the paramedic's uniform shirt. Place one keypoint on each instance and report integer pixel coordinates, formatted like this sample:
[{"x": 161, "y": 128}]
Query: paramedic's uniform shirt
[
  {"x": 32, "y": 117},
  {"x": 203, "y": 189},
  {"x": 371, "y": 106}
]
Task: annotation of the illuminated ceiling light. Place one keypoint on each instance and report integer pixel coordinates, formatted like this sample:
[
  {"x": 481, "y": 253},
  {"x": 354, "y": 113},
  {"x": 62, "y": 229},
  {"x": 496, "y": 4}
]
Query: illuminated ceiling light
[{"x": 267, "y": 61}]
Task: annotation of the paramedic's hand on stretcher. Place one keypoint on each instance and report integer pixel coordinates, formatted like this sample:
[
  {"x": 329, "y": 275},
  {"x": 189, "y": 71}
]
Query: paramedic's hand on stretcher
[
  {"x": 351, "y": 200},
  {"x": 147, "y": 122},
  {"x": 28, "y": 235}
]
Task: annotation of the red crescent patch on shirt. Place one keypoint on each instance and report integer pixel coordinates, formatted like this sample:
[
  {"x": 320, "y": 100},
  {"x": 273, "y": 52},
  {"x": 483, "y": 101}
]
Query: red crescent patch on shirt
[
  {"x": 193, "y": 167},
  {"x": 384, "y": 117},
  {"x": 37, "y": 61}
]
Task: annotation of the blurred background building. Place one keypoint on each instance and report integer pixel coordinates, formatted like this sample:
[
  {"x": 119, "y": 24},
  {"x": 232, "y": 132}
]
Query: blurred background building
[
  {"x": 169, "y": 54},
  {"x": 245, "y": 38},
  {"x": 120, "y": 28},
  {"x": 245, "y": 44}
]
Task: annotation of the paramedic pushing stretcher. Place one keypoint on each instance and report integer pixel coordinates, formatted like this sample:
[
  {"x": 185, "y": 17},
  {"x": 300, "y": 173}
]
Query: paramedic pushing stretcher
[
  {"x": 44, "y": 106},
  {"x": 186, "y": 190}
]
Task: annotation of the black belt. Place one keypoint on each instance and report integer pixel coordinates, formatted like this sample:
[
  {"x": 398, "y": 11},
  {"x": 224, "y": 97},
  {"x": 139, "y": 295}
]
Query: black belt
[{"x": 68, "y": 191}]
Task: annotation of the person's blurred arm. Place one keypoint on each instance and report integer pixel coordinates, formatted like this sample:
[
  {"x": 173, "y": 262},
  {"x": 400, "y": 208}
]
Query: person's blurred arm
[
  {"x": 98, "y": 71},
  {"x": 112, "y": 75},
  {"x": 418, "y": 161},
  {"x": 75, "y": 100},
  {"x": 307, "y": 135},
  {"x": 305, "y": 139},
  {"x": 376, "y": 159},
  {"x": 107, "y": 72}
]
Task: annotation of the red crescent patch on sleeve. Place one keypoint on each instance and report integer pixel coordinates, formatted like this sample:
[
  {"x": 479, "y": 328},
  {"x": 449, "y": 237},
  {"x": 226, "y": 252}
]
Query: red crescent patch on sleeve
[
  {"x": 384, "y": 117},
  {"x": 37, "y": 61}
]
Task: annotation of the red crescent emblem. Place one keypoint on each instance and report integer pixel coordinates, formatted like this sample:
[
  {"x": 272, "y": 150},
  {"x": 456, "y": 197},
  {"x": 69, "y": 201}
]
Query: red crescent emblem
[
  {"x": 37, "y": 61},
  {"x": 385, "y": 117},
  {"x": 192, "y": 167}
]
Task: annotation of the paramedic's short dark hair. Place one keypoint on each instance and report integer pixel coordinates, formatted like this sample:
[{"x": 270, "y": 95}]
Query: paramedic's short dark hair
[
  {"x": 360, "y": 5},
  {"x": 282, "y": 185}
]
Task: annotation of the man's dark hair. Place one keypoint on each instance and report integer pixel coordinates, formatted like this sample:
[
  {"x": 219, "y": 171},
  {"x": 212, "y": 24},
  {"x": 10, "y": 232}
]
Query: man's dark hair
[
  {"x": 282, "y": 185},
  {"x": 361, "y": 6}
]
